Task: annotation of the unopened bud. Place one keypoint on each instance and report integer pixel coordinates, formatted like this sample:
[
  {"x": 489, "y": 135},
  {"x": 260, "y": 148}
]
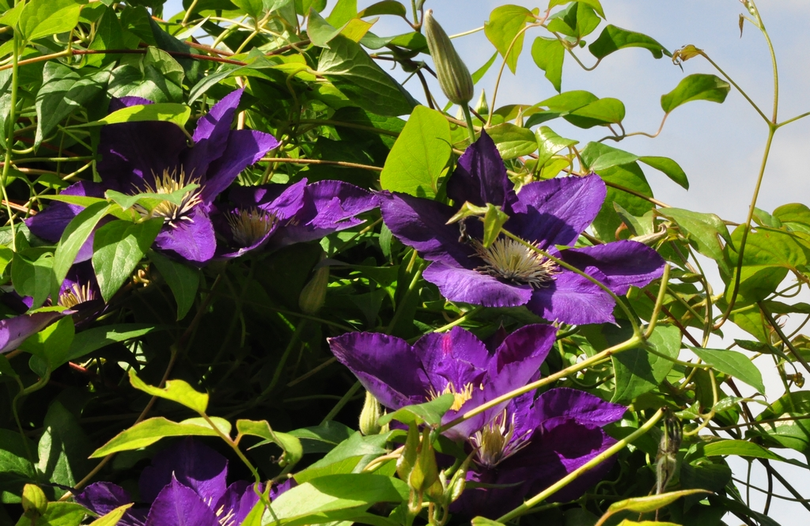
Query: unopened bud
[
  {"x": 372, "y": 411},
  {"x": 313, "y": 295},
  {"x": 34, "y": 501},
  {"x": 407, "y": 459},
  {"x": 454, "y": 77},
  {"x": 481, "y": 107}
]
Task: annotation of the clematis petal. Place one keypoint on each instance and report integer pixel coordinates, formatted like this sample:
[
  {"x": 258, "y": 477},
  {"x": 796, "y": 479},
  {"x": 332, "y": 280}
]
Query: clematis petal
[
  {"x": 422, "y": 224},
  {"x": 284, "y": 201},
  {"x": 179, "y": 505},
  {"x": 470, "y": 286},
  {"x": 622, "y": 263},
  {"x": 572, "y": 404},
  {"x": 572, "y": 299},
  {"x": 193, "y": 240},
  {"x": 195, "y": 465},
  {"x": 237, "y": 502},
  {"x": 244, "y": 148},
  {"x": 14, "y": 331},
  {"x": 131, "y": 151},
  {"x": 558, "y": 210},
  {"x": 102, "y": 497},
  {"x": 480, "y": 177},
  {"x": 385, "y": 365}
]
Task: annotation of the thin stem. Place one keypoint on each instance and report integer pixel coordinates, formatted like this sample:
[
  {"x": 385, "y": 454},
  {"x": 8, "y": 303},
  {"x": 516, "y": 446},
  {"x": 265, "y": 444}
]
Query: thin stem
[
  {"x": 503, "y": 65},
  {"x": 772, "y": 322},
  {"x": 320, "y": 161},
  {"x": 283, "y": 360},
  {"x": 468, "y": 118},
  {"x": 737, "y": 87},
  {"x": 747, "y": 226},
  {"x": 12, "y": 116},
  {"x": 659, "y": 302},
  {"x": 342, "y": 402},
  {"x": 554, "y": 488}
]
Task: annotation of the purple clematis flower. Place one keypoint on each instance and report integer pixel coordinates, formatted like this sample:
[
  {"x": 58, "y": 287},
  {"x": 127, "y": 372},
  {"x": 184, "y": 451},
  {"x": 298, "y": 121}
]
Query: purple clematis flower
[
  {"x": 507, "y": 274},
  {"x": 154, "y": 157},
  {"x": 456, "y": 362},
  {"x": 534, "y": 443},
  {"x": 280, "y": 215},
  {"x": 14, "y": 331},
  {"x": 185, "y": 485}
]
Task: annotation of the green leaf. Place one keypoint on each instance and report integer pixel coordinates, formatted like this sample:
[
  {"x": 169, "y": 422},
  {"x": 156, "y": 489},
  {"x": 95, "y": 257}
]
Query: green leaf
[
  {"x": 602, "y": 112},
  {"x": 483, "y": 521},
  {"x": 504, "y": 24},
  {"x": 429, "y": 413},
  {"x": 319, "y": 30},
  {"x": 615, "y": 38},
  {"x": 182, "y": 279},
  {"x": 569, "y": 101},
  {"x": 627, "y": 176},
  {"x": 386, "y": 7},
  {"x": 63, "y": 447},
  {"x": 698, "y": 86},
  {"x": 52, "y": 343},
  {"x": 628, "y": 522},
  {"x": 639, "y": 371},
  {"x": 157, "y": 77},
  {"x": 732, "y": 363},
  {"x": 74, "y": 236},
  {"x": 45, "y": 18},
  {"x": 346, "y": 456},
  {"x": 597, "y": 156},
  {"x": 161, "y": 111},
  {"x": 151, "y": 430},
  {"x": 548, "y": 54},
  {"x": 175, "y": 390},
  {"x": 111, "y": 518},
  {"x": 323, "y": 438},
  {"x": 703, "y": 231},
  {"x": 307, "y": 502},
  {"x": 419, "y": 155},
  {"x": 651, "y": 502},
  {"x": 149, "y": 200},
  {"x": 117, "y": 249},
  {"x": 360, "y": 79},
  {"x": 494, "y": 219},
  {"x": 550, "y": 143},
  {"x": 90, "y": 340},
  {"x": 15, "y": 468},
  {"x": 254, "y": 8},
  {"x": 293, "y": 451},
  {"x": 575, "y": 21},
  {"x": 594, "y": 4},
  {"x": 512, "y": 141},
  {"x": 670, "y": 168},
  {"x": 80, "y": 200},
  {"x": 741, "y": 448},
  {"x": 794, "y": 216},
  {"x": 60, "y": 514},
  {"x": 64, "y": 91},
  {"x": 31, "y": 274}
]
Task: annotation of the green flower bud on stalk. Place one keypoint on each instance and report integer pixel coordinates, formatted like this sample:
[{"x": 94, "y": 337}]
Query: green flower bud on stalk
[
  {"x": 454, "y": 77},
  {"x": 372, "y": 411},
  {"x": 481, "y": 107},
  {"x": 313, "y": 295},
  {"x": 34, "y": 501}
]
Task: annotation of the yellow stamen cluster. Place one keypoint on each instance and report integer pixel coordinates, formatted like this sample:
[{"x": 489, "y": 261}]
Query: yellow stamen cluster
[
  {"x": 459, "y": 396},
  {"x": 494, "y": 442},
  {"x": 75, "y": 295},
  {"x": 249, "y": 225},
  {"x": 168, "y": 183},
  {"x": 510, "y": 260}
]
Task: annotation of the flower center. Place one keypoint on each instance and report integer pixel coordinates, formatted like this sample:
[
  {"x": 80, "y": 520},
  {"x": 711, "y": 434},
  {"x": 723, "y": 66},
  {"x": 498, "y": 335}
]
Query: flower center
[
  {"x": 250, "y": 225},
  {"x": 169, "y": 183},
  {"x": 459, "y": 396},
  {"x": 75, "y": 295},
  {"x": 513, "y": 261},
  {"x": 496, "y": 441},
  {"x": 225, "y": 517}
]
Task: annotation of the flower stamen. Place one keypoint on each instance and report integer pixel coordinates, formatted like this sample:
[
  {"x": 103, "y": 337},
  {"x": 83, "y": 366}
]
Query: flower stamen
[
  {"x": 459, "y": 396},
  {"x": 513, "y": 261},
  {"x": 249, "y": 225},
  {"x": 496, "y": 441},
  {"x": 75, "y": 295},
  {"x": 168, "y": 183}
]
